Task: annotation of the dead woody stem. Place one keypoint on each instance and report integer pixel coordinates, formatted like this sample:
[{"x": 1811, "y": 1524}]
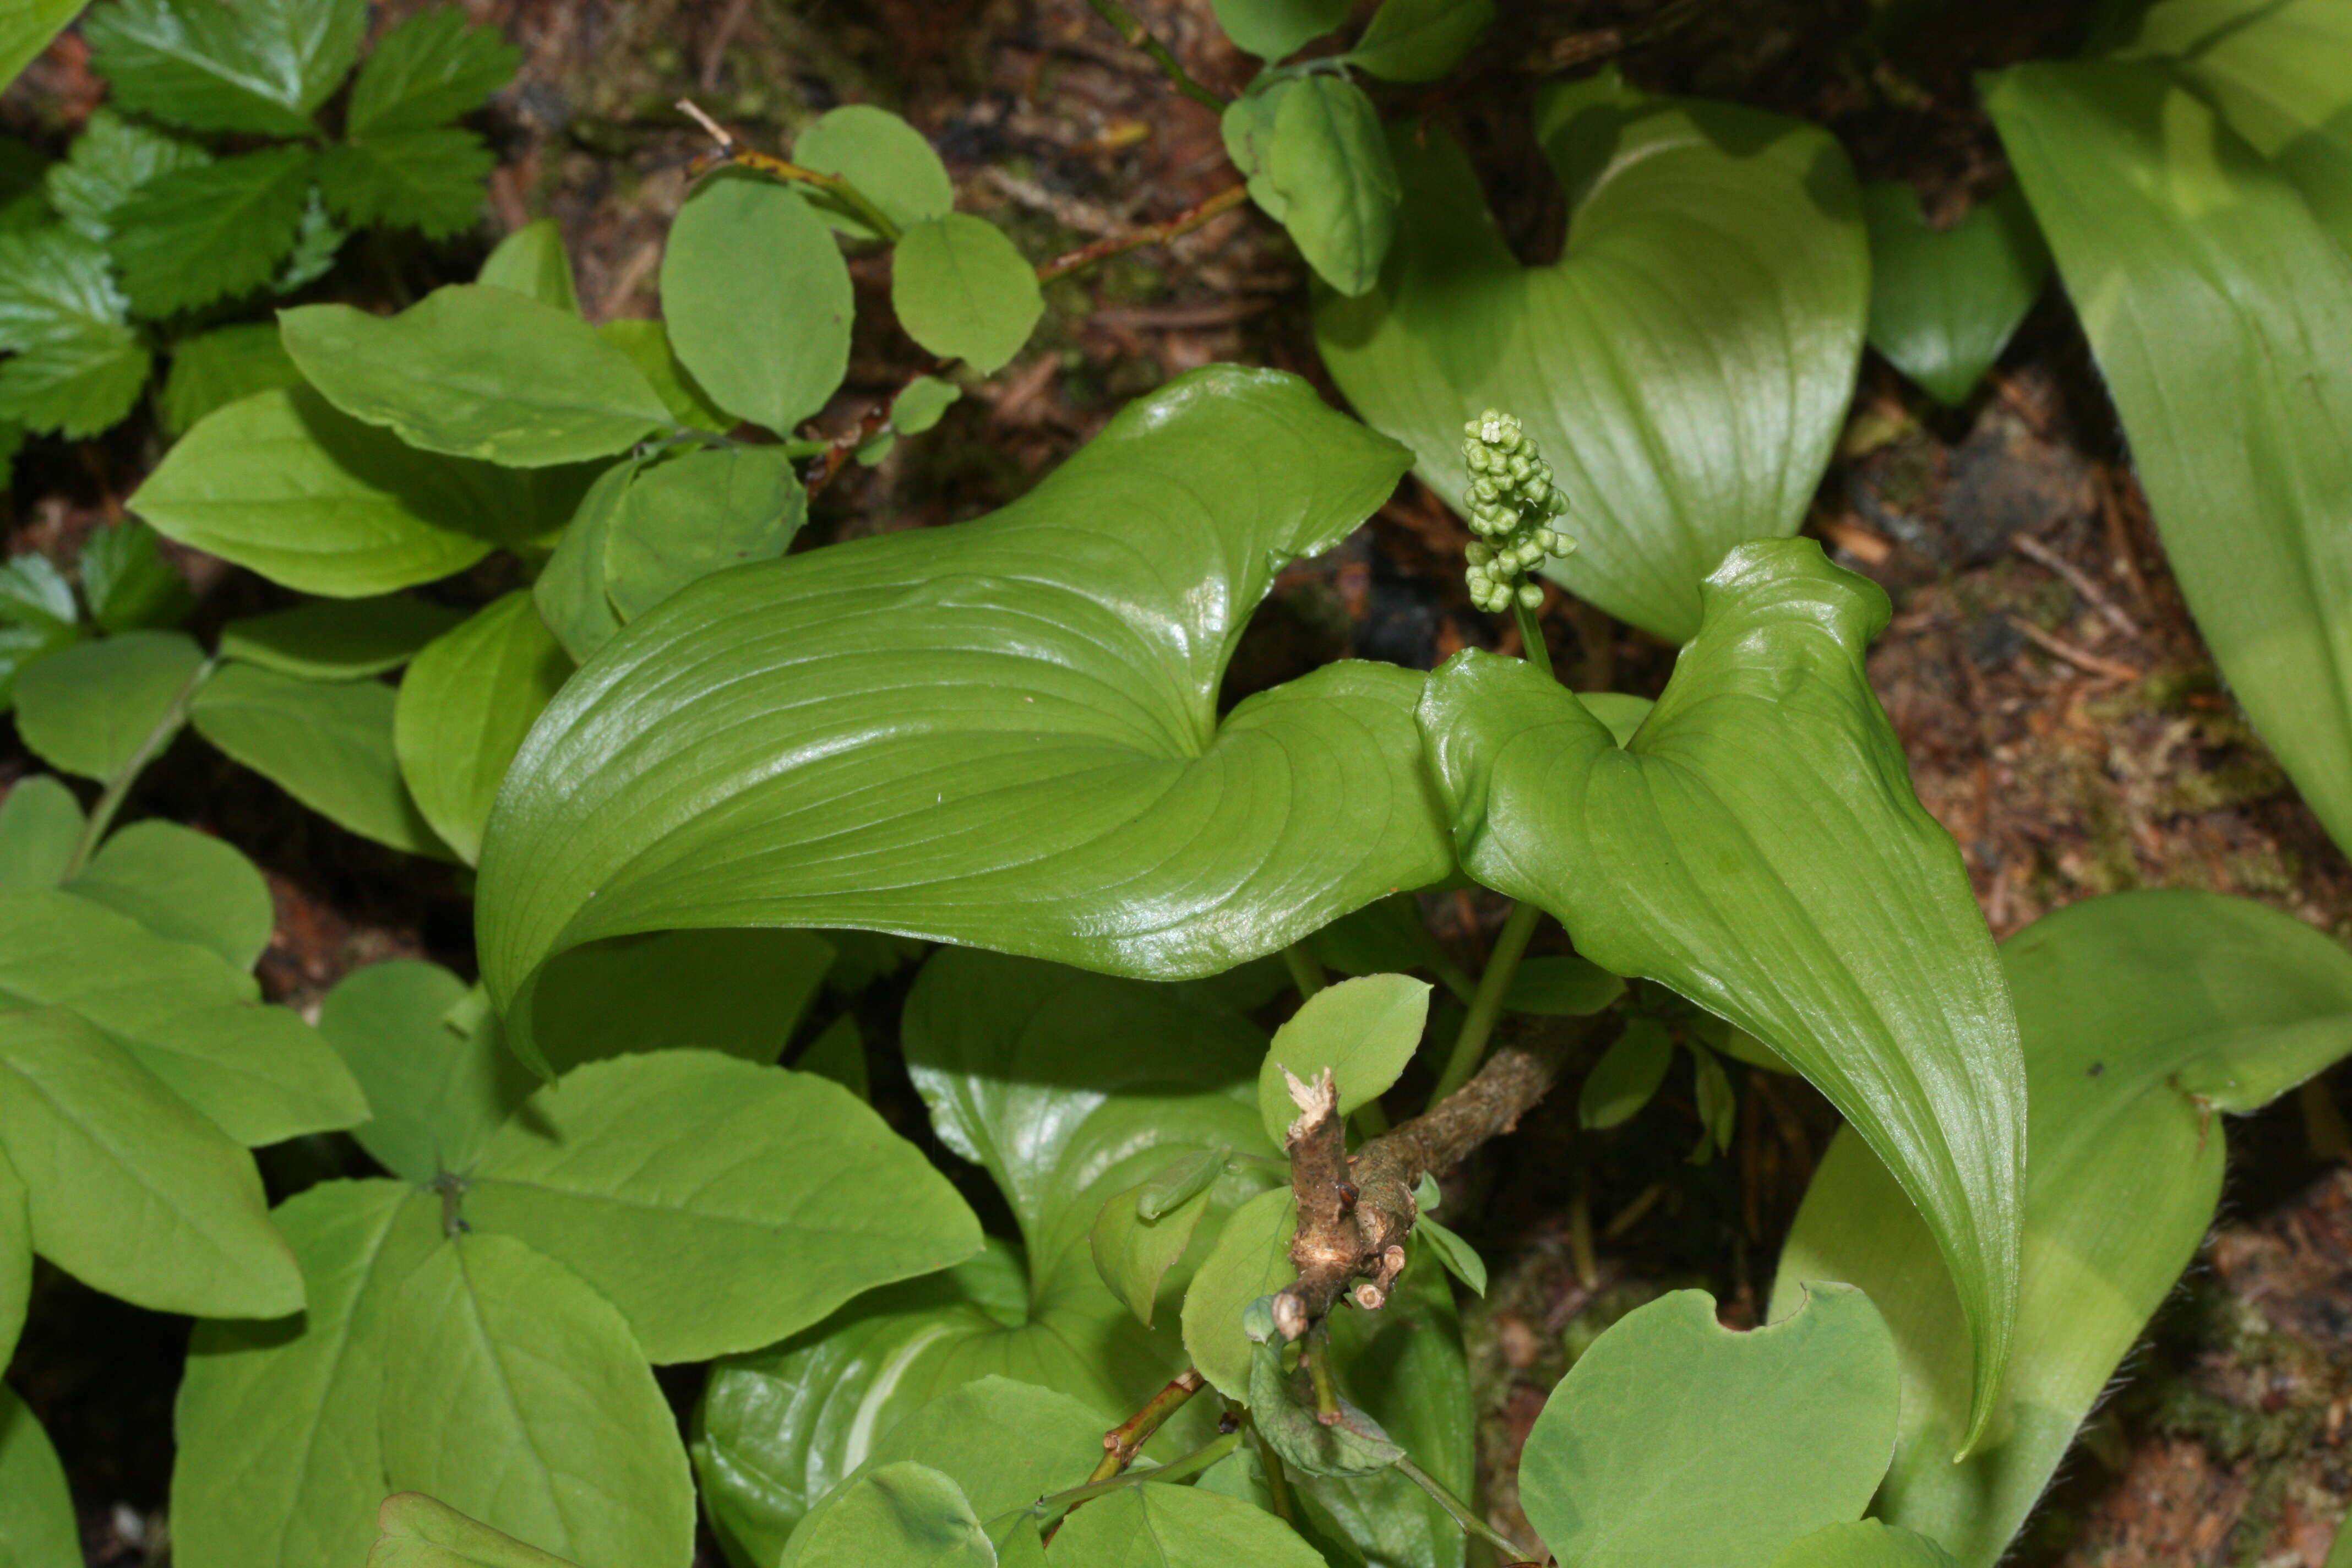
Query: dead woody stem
[{"x": 1354, "y": 1214}]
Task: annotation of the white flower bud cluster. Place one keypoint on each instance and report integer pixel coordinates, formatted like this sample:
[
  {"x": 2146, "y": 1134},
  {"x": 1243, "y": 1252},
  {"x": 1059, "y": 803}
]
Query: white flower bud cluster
[{"x": 1512, "y": 503}]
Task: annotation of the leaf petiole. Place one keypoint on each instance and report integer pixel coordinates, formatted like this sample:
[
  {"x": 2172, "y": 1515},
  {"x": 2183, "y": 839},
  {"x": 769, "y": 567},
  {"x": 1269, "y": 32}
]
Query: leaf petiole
[
  {"x": 1486, "y": 1004},
  {"x": 109, "y": 800}
]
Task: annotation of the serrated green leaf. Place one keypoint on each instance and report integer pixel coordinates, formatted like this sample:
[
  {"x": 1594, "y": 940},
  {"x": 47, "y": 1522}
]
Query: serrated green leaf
[
  {"x": 1147, "y": 1526},
  {"x": 98, "y": 707},
  {"x": 37, "y": 1522},
  {"x": 414, "y": 1530},
  {"x": 182, "y": 885},
  {"x": 695, "y": 515},
  {"x": 886, "y": 158},
  {"x": 1562, "y": 985},
  {"x": 37, "y": 618},
  {"x": 1364, "y": 1030},
  {"x": 1943, "y": 303},
  {"x": 438, "y": 1091},
  {"x": 904, "y": 1514},
  {"x": 113, "y": 158},
  {"x": 280, "y": 1464},
  {"x": 1673, "y": 1438},
  {"x": 328, "y": 743},
  {"x": 260, "y": 64},
  {"x": 217, "y": 368},
  {"x": 2141, "y": 1014},
  {"x": 647, "y": 345},
  {"x": 739, "y": 991},
  {"x": 963, "y": 291},
  {"x": 129, "y": 1189},
  {"x": 523, "y": 1400},
  {"x": 316, "y": 243},
  {"x": 1328, "y": 160},
  {"x": 777, "y": 1193},
  {"x": 477, "y": 372},
  {"x": 186, "y": 239},
  {"x": 532, "y": 260},
  {"x": 1759, "y": 850},
  {"x": 76, "y": 368},
  {"x": 1863, "y": 1544},
  {"x": 1100, "y": 815},
  {"x": 465, "y": 705},
  {"x": 1273, "y": 30},
  {"x": 129, "y": 585},
  {"x": 1686, "y": 366},
  {"x": 1627, "y": 1075},
  {"x": 427, "y": 180},
  {"x": 758, "y": 301},
  {"x": 430, "y": 68},
  {"x": 1250, "y": 1258},
  {"x": 1420, "y": 40},
  {"x": 40, "y": 824},
  {"x": 339, "y": 639},
  {"x": 26, "y": 29},
  {"x": 188, "y": 1017}
]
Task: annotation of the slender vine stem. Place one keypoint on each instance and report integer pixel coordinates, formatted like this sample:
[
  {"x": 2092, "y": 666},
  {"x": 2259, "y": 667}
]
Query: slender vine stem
[
  {"x": 1531, "y": 637},
  {"x": 1277, "y": 1479},
  {"x": 1050, "y": 1510},
  {"x": 1136, "y": 35},
  {"x": 1124, "y": 1441},
  {"x": 1183, "y": 224},
  {"x": 1487, "y": 1004},
  {"x": 834, "y": 186},
  {"x": 1305, "y": 972},
  {"x": 118, "y": 787},
  {"x": 1460, "y": 1512}
]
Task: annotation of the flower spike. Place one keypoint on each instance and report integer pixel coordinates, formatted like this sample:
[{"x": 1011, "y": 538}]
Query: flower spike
[{"x": 1512, "y": 503}]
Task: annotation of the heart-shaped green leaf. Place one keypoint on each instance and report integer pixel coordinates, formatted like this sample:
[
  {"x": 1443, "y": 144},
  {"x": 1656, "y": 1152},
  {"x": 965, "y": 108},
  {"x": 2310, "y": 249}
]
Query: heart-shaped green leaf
[
  {"x": 2141, "y": 1014},
  {"x": 2219, "y": 304},
  {"x": 1757, "y": 847},
  {"x": 1673, "y": 1439},
  {"x": 1685, "y": 366},
  {"x": 1003, "y": 733},
  {"x": 1944, "y": 302},
  {"x": 1363, "y": 1030}
]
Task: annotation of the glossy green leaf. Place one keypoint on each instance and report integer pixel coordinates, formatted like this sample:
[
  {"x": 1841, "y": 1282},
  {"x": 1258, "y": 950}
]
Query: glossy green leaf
[
  {"x": 37, "y": 1524},
  {"x": 1273, "y": 30},
  {"x": 1944, "y": 302},
  {"x": 216, "y": 369},
  {"x": 1757, "y": 847},
  {"x": 1420, "y": 40},
  {"x": 1459, "y": 1258},
  {"x": 2220, "y": 311},
  {"x": 432, "y": 67},
  {"x": 696, "y": 515},
  {"x": 280, "y": 1464},
  {"x": 414, "y": 1530},
  {"x": 40, "y": 823},
  {"x": 317, "y": 243},
  {"x": 25, "y": 28},
  {"x": 429, "y": 180},
  {"x": 1008, "y": 1053},
  {"x": 109, "y": 160},
  {"x": 739, "y": 991},
  {"x": 1685, "y": 366},
  {"x": 1627, "y": 1073},
  {"x": 37, "y": 618},
  {"x": 327, "y": 743},
  {"x": 1133, "y": 1251},
  {"x": 339, "y": 639},
  {"x": 904, "y": 1514},
  {"x": 647, "y": 345},
  {"x": 1147, "y": 1526},
  {"x": 886, "y": 158},
  {"x": 1863, "y": 1544},
  {"x": 758, "y": 301},
  {"x": 1005, "y": 1444},
  {"x": 521, "y": 1399},
  {"x": 129, "y": 585},
  {"x": 570, "y": 594},
  {"x": 1328, "y": 160},
  {"x": 1070, "y": 648},
  {"x": 1283, "y": 1408},
  {"x": 187, "y": 238},
  {"x": 963, "y": 291},
  {"x": 76, "y": 367},
  {"x": 437, "y": 1091},
  {"x": 127, "y": 1188},
  {"x": 2141, "y": 1014},
  {"x": 186, "y": 1016},
  {"x": 464, "y": 707},
  {"x": 184, "y": 885},
  {"x": 1673, "y": 1439},
  {"x": 1364, "y": 1030},
  {"x": 262, "y": 65},
  {"x": 1251, "y": 1258},
  {"x": 532, "y": 260},
  {"x": 1562, "y": 985},
  {"x": 94, "y": 709},
  {"x": 719, "y": 1205},
  {"x": 477, "y": 372},
  {"x": 282, "y": 483}
]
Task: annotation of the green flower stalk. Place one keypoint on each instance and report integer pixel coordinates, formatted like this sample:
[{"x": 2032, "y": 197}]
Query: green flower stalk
[{"x": 1512, "y": 503}]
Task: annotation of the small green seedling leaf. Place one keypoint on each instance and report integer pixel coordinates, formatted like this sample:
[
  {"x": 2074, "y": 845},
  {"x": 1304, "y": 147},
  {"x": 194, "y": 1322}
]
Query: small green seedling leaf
[
  {"x": 464, "y": 707},
  {"x": 1718, "y": 1107},
  {"x": 758, "y": 301},
  {"x": 962, "y": 290},
  {"x": 1863, "y": 1544},
  {"x": 477, "y": 372},
  {"x": 1133, "y": 1252},
  {"x": 532, "y": 260},
  {"x": 1273, "y": 29},
  {"x": 1562, "y": 985},
  {"x": 40, "y": 824},
  {"x": 1250, "y": 1259},
  {"x": 328, "y": 743},
  {"x": 94, "y": 709},
  {"x": 1179, "y": 1183},
  {"x": 920, "y": 407},
  {"x": 339, "y": 639},
  {"x": 1944, "y": 303},
  {"x": 1364, "y": 1030},
  {"x": 902, "y": 1513},
  {"x": 1627, "y": 1073},
  {"x": 1247, "y": 126},
  {"x": 1420, "y": 40},
  {"x": 886, "y": 158},
  {"x": 1673, "y": 1439},
  {"x": 1330, "y": 160},
  {"x": 414, "y": 1530},
  {"x": 1460, "y": 1259}
]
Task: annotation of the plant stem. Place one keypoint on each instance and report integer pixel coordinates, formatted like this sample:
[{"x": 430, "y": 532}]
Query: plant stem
[
  {"x": 1487, "y": 1005},
  {"x": 1183, "y": 222},
  {"x": 118, "y": 788},
  {"x": 1050, "y": 1510},
  {"x": 834, "y": 185},
  {"x": 1136, "y": 35},
  {"x": 1531, "y": 637},
  {"x": 1277, "y": 1479},
  {"x": 1124, "y": 1441},
  {"x": 1305, "y": 972},
  {"x": 1460, "y": 1512},
  {"x": 1318, "y": 1372}
]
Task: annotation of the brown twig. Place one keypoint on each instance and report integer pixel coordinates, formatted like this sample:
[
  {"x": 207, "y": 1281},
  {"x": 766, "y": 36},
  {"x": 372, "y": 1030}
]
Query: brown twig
[
  {"x": 1124, "y": 1441},
  {"x": 1183, "y": 222},
  {"x": 1354, "y": 1214},
  {"x": 2080, "y": 658},
  {"x": 733, "y": 151},
  {"x": 2034, "y": 550},
  {"x": 1136, "y": 35}
]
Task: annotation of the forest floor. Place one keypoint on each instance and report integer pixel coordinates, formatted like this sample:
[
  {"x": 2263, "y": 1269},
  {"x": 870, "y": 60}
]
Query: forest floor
[{"x": 2061, "y": 717}]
